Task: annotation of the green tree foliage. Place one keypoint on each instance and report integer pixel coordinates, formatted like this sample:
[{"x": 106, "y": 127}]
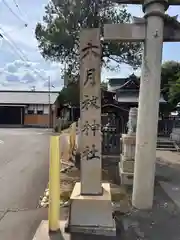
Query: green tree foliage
[
  {"x": 70, "y": 94},
  {"x": 170, "y": 76},
  {"x": 174, "y": 91},
  {"x": 58, "y": 35},
  {"x": 169, "y": 72},
  {"x": 104, "y": 85}
]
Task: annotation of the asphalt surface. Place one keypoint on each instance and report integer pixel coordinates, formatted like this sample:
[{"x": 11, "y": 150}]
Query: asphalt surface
[{"x": 24, "y": 167}]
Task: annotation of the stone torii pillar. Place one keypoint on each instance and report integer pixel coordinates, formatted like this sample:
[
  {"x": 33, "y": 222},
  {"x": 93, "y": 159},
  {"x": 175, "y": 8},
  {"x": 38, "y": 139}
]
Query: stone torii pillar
[
  {"x": 150, "y": 31},
  {"x": 148, "y": 113}
]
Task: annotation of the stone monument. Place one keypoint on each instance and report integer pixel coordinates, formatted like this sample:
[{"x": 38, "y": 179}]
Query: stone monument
[
  {"x": 126, "y": 165},
  {"x": 91, "y": 207}
]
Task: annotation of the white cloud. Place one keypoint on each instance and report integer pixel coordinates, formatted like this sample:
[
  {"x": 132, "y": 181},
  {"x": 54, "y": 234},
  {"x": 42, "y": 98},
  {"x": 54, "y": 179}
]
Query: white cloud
[
  {"x": 12, "y": 78},
  {"x": 28, "y": 78},
  {"x": 11, "y": 68},
  {"x": 18, "y": 73}
]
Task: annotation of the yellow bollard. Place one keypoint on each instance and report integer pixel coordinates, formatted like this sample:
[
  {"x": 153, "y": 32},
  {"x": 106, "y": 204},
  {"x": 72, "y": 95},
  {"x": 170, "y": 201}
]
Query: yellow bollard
[
  {"x": 73, "y": 135},
  {"x": 72, "y": 138},
  {"x": 54, "y": 184}
]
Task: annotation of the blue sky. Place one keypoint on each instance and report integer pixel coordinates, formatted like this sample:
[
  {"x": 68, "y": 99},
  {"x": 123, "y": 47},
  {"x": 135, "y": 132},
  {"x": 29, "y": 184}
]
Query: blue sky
[{"x": 21, "y": 65}]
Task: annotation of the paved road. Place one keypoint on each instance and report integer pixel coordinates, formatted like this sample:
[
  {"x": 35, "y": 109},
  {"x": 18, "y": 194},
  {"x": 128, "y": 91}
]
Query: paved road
[{"x": 23, "y": 178}]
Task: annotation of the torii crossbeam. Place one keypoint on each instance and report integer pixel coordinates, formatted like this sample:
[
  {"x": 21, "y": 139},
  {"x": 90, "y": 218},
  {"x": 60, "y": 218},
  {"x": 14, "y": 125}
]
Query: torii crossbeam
[
  {"x": 136, "y": 32},
  {"x": 170, "y": 2}
]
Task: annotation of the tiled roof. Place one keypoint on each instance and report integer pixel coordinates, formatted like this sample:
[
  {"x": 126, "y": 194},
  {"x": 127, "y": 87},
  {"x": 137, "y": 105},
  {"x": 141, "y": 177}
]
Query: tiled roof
[
  {"x": 134, "y": 98},
  {"x": 117, "y": 81},
  {"x": 27, "y": 97},
  {"x": 123, "y": 82}
]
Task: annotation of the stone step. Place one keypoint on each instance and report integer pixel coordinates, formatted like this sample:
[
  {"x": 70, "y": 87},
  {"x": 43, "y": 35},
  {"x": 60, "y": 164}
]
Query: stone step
[
  {"x": 164, "y": 141},
  {"x": 167, "y": 141},
  {"x": 125, "y": 177},
  {"x": 165, "y": 145},
  {"x": 167, "y": 149}
]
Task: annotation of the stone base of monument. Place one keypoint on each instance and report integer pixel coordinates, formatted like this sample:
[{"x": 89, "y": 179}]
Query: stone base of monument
[
  {"x": 175, "y": 135},
  {"x": 91, "y": 214},
  {"x": 127, "y": 165},
  {"x": 126, "y": 177}
]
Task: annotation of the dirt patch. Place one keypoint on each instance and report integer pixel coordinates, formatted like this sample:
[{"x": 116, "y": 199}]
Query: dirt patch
[
  {"x": 68, "y": 177},
  {"x": 121, "y": 197},
  {"x": 67, "y": 183}
]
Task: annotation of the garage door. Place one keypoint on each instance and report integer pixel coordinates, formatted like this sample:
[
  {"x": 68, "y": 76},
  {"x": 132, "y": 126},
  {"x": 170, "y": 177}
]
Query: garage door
[{"x": 11, "y": 115}]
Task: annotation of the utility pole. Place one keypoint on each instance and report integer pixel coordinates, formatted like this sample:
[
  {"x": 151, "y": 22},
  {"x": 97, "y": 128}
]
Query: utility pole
[
  {"x": 49, "y": 100},
  {"x": 33, "y": 88}
]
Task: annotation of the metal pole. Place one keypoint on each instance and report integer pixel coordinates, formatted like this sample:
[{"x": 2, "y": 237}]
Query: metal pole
[
  {"x": 21, "y": 116},
  {"x": 49, "y": 100}
]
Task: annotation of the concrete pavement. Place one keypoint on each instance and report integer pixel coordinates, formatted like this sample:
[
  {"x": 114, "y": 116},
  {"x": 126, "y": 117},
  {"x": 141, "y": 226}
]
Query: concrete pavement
[
  {"x": 168, "y": 157},
  {"x": 24, "y": 166}
]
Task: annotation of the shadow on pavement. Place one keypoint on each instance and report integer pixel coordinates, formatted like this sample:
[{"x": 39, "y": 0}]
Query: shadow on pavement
[
  {"x": 60, "y": 236},
  {"x": 162, "y": 221},
  {"x": 56, "y": 236}
]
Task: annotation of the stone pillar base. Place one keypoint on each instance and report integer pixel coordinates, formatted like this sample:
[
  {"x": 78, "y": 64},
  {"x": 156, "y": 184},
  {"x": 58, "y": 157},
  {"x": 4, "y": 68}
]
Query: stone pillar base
[
  {"x": 125, "y": 177},
  {"x": 127, "y": 164},
  {"x": 175, "y": 135},
  {"x": 91, "y": 214}
]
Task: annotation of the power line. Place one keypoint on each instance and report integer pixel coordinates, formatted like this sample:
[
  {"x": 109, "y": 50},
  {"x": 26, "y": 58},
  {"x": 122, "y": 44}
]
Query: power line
[
  {"x": 16, "y": 4},
  {"x": 19, "y": 9},
  {"x": 12, "y": 44},
  {"x": 22, "y": 19},
  {"x": 17, "y": 16},
  {"x": 19, "y": 52}
]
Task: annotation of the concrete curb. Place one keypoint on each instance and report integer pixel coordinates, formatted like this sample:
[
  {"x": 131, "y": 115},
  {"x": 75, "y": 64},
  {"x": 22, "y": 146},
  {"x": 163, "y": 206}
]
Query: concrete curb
[{"x": 42, "y": 233}]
